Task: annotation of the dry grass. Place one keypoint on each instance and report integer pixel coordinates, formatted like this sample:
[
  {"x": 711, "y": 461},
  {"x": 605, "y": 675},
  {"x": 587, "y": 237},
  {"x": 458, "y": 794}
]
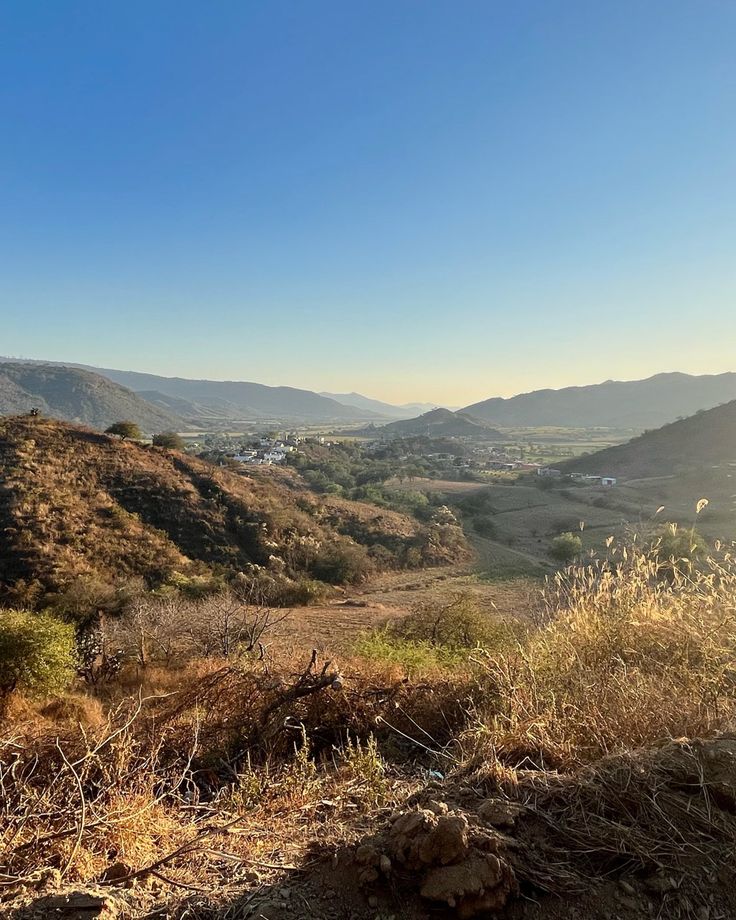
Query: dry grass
[
  {"x": 625, "y": 659},
  {"x": 203, "y": 773}
]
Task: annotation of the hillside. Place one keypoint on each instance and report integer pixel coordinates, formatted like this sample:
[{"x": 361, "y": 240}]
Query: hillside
[
  {"x": 704, "y": 440},
  {"x": 77, "y": 396},
  {"x": 235, "y": 399},
  {"x": 614, "y": 404},
  {"x": 76, "y": 504},
  {"x": 440, "y": 423}
]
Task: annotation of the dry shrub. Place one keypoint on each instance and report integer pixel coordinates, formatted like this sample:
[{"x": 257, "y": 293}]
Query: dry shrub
[
  {"x": 625, "y": 659},
  {"x": 74, "y": 708}
]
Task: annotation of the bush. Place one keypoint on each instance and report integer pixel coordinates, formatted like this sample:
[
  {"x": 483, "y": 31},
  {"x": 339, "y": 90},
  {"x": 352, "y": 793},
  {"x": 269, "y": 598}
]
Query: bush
[
  {"x": 677, "y": 548},
  {"x": 458, "y": 624},
  {"x": 382, "y": 645},
  {"x": 341, "y": 564},
  {"x": 36, "y": 652},
  {"x": 169, "y": 440},
  {"x": 566, "y": 547}
]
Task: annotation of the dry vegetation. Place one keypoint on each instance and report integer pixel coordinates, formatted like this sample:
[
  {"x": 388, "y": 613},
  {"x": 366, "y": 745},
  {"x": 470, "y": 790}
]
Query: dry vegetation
[
  {"x": 84, "y": 514},
  {"x": 202, "y": 767}
]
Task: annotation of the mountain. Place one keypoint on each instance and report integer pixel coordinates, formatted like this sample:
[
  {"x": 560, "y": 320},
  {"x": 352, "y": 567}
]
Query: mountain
[
  {"x": 704, "y": 440},
  {"x": 238, "y": 400},
  {"x": 614, "y": 404},
  {"x": 78, "y": 396},
  {"x": 439, "y": 423},
  {"x": 78, "y": 507},
  {"x": 387, "y": 410}
]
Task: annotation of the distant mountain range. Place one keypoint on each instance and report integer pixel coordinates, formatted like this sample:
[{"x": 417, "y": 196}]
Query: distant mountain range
[
  {"x": 157, "y": 402},
  {"x": 78, "y": 396},
  {"x": 439, "y": 423},
  {"x": 702, "y": 441},
  {"x": 209, "y": 401},
  {"x": 387, "y": 410},
  {"x": 614, "y": 404},
  {"x": 234, "y": 399}
]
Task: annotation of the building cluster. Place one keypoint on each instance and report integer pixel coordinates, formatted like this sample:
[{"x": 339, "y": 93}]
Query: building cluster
[
  {"x": 267, "y": 451},
  {"x": 549, "y": 472}
]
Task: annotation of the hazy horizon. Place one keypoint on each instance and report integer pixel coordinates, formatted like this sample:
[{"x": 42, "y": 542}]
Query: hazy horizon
[
  {"x": 347, "y": 389},
  {"x": 436, "y": 203}
]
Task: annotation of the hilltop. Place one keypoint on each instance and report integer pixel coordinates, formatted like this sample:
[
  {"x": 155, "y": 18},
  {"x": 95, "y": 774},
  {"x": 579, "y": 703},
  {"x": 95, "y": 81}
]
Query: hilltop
[
  {"x": 76, "y": 505},
  {"x": 704, "y": 440},
  {"x": 614, "y": 404},
  {"x": 440, "y": 423},
  {"x": 77, "y": 396}
]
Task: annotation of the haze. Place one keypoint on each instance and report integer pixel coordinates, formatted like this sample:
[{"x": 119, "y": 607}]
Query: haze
[{"x": 438, "y": 201}]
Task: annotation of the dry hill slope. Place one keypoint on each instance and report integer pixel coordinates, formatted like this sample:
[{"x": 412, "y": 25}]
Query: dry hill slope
[
  {"x": 704, "y": 440},
  {"x": 78, "y": 504}
]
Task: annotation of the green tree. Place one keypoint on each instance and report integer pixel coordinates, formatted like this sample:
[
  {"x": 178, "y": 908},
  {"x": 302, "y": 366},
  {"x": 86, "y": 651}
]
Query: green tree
[
  {"x": 125, "y": 430},
  {"x": 37, "y": 652},
  {"x": 168, "y": 439},
  {"x": 566, "y": 547}
]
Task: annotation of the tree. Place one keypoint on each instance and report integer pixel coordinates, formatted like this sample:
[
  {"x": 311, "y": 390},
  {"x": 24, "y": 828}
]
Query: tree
[
  {"x": 168, "y": 439},
  {"x": 566, "y": 547},
  {"x": 36, "y": 652},
  {"x": 125, "y": 430}
]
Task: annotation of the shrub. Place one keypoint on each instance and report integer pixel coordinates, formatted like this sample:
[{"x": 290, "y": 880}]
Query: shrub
[
  {"x": 458, "y": 624},
  {"x": 340, "y": 564},
  {"x": 36, "y": 652},
  {"x": 168, "y": 439},
  {"x": 566, "y": 547},
  {"x": 411, "y": 655},
  {"x": 677, "y": 548}
]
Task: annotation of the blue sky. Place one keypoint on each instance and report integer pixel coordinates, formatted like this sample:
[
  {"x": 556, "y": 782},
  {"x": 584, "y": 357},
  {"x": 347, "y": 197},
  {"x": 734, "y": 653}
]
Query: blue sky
[{"x": 417, "y": 200}]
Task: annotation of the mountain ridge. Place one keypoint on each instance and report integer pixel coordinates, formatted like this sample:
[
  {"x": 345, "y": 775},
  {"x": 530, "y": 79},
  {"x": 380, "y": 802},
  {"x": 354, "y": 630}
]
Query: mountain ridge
[{"x": 646, "y": 403}]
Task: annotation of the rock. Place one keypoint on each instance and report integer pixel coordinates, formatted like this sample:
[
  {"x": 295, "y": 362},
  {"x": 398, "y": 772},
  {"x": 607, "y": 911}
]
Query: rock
[
  {"x": 117, "y": 872},
  {"x": 372, "y": 901},
  {"x": 498, "y": 813},
  {"x": 476, "y": 885},
  {"x": 660, "y": 884},
  {"x": 422, "y": 838},
  {"x": 76, "y": 905}
]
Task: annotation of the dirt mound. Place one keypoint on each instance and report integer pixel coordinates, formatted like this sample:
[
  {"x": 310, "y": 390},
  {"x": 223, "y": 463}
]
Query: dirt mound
[
  {"x": 449, "y": 856},
  {"x": 650, "y": 833}
]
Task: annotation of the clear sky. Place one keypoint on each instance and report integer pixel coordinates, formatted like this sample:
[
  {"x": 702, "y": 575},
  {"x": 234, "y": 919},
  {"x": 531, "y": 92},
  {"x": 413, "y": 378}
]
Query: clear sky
[{"x": 417, "y": 199}]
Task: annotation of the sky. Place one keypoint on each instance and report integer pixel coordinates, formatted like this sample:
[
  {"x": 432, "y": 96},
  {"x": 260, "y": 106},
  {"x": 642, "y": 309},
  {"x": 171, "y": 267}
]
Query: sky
[{"x": 436, "y": 200}]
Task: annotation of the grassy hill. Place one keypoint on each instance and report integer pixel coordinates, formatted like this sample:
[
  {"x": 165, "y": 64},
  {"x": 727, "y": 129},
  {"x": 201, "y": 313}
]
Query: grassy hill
[
  {"x": 76, "y": 504},
  {"x": 706, "y": 439},
  {"x": 77, "y": 396},
  {"x": 614, "y": 404}
]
